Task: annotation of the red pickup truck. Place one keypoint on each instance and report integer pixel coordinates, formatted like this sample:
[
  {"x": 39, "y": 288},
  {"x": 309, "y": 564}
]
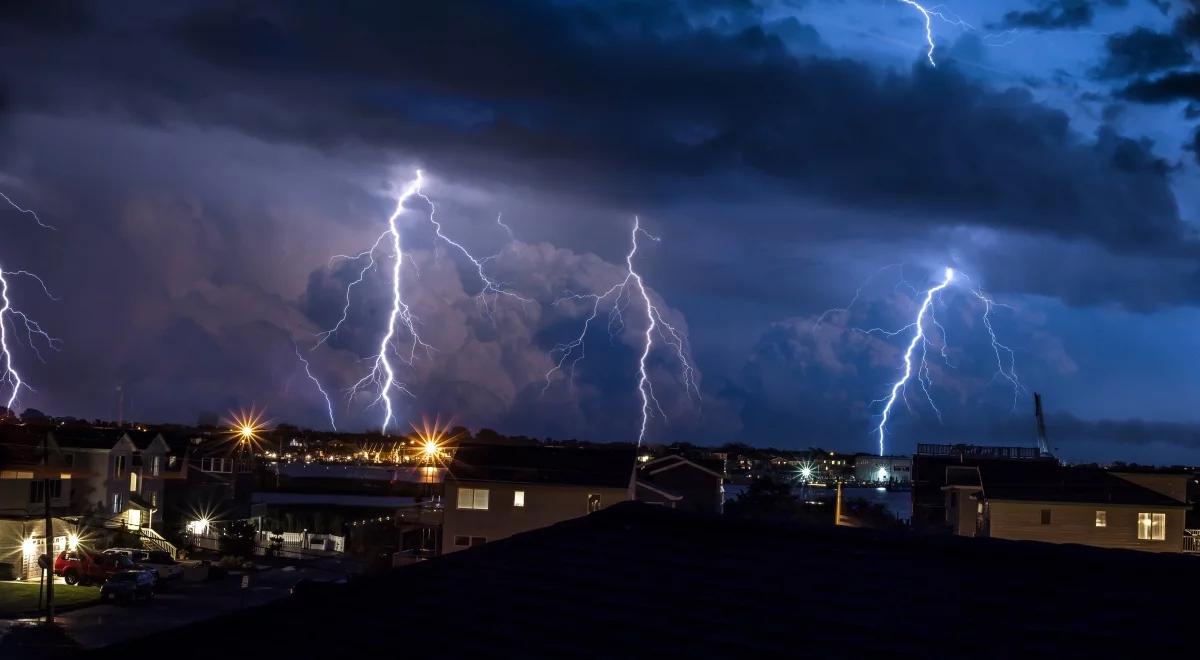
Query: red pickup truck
[{"x": 82, "y": 567}]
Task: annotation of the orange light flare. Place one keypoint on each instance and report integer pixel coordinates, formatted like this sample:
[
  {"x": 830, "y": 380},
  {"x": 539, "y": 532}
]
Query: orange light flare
[
  {"x": 433, "y": 441},
  {"x": 245, "y": 429}
]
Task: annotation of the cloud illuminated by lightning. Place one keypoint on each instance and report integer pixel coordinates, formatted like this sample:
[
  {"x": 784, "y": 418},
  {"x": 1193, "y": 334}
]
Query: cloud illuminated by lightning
[
  {"x": 10, "y": 316},
  {"x": 619, "y": 296}
]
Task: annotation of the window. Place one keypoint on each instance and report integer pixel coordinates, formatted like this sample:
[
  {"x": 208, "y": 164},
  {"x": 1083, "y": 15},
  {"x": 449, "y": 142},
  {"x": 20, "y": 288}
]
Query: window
[
  {"x": 593, "y": 502},
  {"x": 116, "y": 503},
  {"x": 1045, "y": 516},
  {"x": 119, "y": 466},
  {"x": 154, "y": 498},
  {"x": 171, "y": 461},
  {"x": 216, "y": 464},
  {"x": 133, "y": 482},
  {"x": 1152, "y": 526},
  {"x": 1102, "y": 519},
  {"x": 155, "y": 465},
  {"x": 37, "y": 490},
  {"x": 464, "y": 541},
  {"x": 519, "y": 498},
  {"x": 473, "y": 498},
  {"x": 15, "y": 474}
]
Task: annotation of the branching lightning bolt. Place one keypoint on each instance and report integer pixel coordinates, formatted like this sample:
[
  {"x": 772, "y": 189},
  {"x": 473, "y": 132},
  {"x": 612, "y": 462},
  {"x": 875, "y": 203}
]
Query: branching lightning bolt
[
  {"x": 401, "y": 319},
  {"x": 9, "y": 317},
  {"x": 619, "y": 296},
  {"x": 320, "y": 388},
  {"x": 923, "y": 371},
  {"x": 1008, "y": 373}
]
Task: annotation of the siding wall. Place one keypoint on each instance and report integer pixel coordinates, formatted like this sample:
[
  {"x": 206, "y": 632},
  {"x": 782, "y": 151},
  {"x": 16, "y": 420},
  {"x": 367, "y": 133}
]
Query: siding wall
[
  {"x": 1076, "y": 523},
  {"x": 544, "y": 506}
]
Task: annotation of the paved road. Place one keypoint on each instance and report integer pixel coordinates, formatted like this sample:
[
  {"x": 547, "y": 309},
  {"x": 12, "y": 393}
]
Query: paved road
[{"x": 184, "y": 603}]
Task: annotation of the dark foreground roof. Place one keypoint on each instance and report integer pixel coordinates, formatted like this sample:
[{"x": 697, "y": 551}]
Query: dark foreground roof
[
  {"x": 574, "y": 466},
  {"x": 638, "y": 580}
]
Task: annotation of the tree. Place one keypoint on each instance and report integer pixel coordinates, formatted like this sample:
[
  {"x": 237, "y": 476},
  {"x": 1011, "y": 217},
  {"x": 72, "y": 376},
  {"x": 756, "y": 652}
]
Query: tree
[
  {"x": 238, "y": 539},
  {"x": 768, "y": 499},
  {"x": 33, "y": 415}
]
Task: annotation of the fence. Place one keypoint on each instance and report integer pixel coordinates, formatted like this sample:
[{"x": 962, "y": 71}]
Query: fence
[{"x": 293, "y": 545}]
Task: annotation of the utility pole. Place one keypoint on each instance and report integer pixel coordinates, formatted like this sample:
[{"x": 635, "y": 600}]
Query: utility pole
[
  {"x": 1043, "y": 445},
  {"x": 49, "y": 529}
]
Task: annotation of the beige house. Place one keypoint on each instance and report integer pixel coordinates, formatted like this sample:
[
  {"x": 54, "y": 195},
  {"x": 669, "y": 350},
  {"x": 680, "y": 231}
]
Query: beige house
[
  {"x": 1139, "y": 511},
  {"x": 493, "y": 492}
]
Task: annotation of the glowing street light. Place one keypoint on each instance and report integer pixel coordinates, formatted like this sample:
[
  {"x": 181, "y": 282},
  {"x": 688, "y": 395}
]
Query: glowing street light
[{"x": 882, "y": 474}]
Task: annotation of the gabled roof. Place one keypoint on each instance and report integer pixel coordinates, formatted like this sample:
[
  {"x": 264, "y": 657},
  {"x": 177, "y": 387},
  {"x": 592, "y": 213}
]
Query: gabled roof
[
  {"x": 1070, "y": 484},
  {"x": 670, "y": 461},
  {"x": 571, "y": 466}
]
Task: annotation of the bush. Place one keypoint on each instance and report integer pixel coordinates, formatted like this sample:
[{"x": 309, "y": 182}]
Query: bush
[{"x": 238, "y": 539}]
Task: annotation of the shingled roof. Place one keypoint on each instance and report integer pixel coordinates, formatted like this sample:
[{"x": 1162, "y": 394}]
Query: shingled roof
[
  {"x": 641, "y": 581},
  {"x": 1071, "y": 484},
  {"x": 575, "y": 466}
]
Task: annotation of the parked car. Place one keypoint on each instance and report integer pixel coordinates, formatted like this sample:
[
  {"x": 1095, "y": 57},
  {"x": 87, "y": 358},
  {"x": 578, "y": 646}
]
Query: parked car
[
  {"x": 82, "y": 567},
  {"x": 125, "y": 586},
  {"x": 164, "y": 566}
]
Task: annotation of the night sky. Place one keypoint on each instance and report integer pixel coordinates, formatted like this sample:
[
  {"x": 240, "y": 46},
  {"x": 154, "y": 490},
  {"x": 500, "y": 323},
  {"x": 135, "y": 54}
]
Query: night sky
[{"x": 202, "y": 162}]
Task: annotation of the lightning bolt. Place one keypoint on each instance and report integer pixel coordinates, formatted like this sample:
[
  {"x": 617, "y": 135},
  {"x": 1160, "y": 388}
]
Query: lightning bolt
[
  {"x": 918, "y": 339},
  {"x": 401, "y": 319},
  {"x": 1008, "y": 372},
  {"x": 930, "y": 13},
  {"x": 619, "y": 295},
  {"x": 325, "y": 395},
  {"x": 11, "y": 316}
]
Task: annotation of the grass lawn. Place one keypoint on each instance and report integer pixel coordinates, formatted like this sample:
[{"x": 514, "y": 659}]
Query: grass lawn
[{"x": 22, "y": 597}]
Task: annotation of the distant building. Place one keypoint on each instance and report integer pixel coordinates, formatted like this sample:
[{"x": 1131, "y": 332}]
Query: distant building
[
  {"x": 1090, "y": 506},
  {"x": 678, "y": 482},
  {"x": 869, "y": 468},
  {"x": 493, "y": 492}
]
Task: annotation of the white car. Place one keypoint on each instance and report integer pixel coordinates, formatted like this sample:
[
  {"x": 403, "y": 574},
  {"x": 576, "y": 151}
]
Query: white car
[{"x": 161, "y": 563}]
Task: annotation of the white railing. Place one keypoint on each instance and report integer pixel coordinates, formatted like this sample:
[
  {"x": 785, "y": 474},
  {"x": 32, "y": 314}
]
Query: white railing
[
  {"x": 305, "y": 541},
  {"x": 1191, "y": 540},
  {"x": 152, "y": 540}
]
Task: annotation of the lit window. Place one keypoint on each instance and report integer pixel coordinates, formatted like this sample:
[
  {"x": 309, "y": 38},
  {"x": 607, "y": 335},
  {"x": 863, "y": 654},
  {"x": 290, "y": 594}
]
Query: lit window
[
  {"x": 1152, "y": 526},
  {"x": 473, "y": 498},
  {"x": 519, "y": 498},
  {"x": 593, "y": 502},
  {"x": 154, "y": 465},
  {"x": 133, "y": 482},
  {"x": 1102, "y": 519},
  {"x": 116, "y": 503}
]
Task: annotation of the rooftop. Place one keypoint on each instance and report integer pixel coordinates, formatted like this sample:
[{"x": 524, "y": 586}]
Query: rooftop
[
  {"x": 638, "y": 580},
  {"x": 574, "y": 466}
]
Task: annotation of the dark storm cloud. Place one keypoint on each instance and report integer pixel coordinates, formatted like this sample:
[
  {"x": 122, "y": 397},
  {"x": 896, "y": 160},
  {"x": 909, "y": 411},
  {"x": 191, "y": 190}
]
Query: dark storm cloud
[
  {"x": 1141, "y": 51},
  {"x": 1177, "y": 86},
  {"x": 639, "y": 92},
  {"x": 1051, "y": 15},
  {"x": 63, "y": 17}
]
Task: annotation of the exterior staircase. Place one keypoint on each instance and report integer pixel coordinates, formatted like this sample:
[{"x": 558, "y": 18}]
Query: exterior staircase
[{"x": 152, "y": 540}]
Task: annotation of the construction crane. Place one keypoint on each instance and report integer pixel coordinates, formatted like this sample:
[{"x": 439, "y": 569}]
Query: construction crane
[{"x": 1043, "y": 446}]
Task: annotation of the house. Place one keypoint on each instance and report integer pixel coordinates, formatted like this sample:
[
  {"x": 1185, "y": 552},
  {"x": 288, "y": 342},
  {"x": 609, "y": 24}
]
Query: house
[
  {"x": 27, "y": 458},
  {"x": 493, "y": 492},
  {"x": 929, "y": 470},
  {"x": 692, "y": 484},
  {"x": 1089, "y": 506}
]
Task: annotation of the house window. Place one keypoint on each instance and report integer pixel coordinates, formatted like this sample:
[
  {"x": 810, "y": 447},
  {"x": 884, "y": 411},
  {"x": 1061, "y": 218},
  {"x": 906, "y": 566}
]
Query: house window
[
  {"x": 1152, "y": 526},
  {"x": 37, "y": 490},
  {"x": 216, "y": 464},
  {"x": 171, "y": 461},
  {"x": 133, "y": 482},
  {"x": 15, "y": 474},
  {"x": 473, "y": 498},
  {"x": 519, "y": 498},
  {"x": 119, "y": 466},
  {"x": 593, "y": 502},
  {"x": 1045, "y": 516},
  {"x": 155, "y": 462},
  {"x": 116, "y": 503},
  {"x": 1102, "y": 519},
  {"x": 464, "y": 541},
  {"x": 154, "y": 498}
]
